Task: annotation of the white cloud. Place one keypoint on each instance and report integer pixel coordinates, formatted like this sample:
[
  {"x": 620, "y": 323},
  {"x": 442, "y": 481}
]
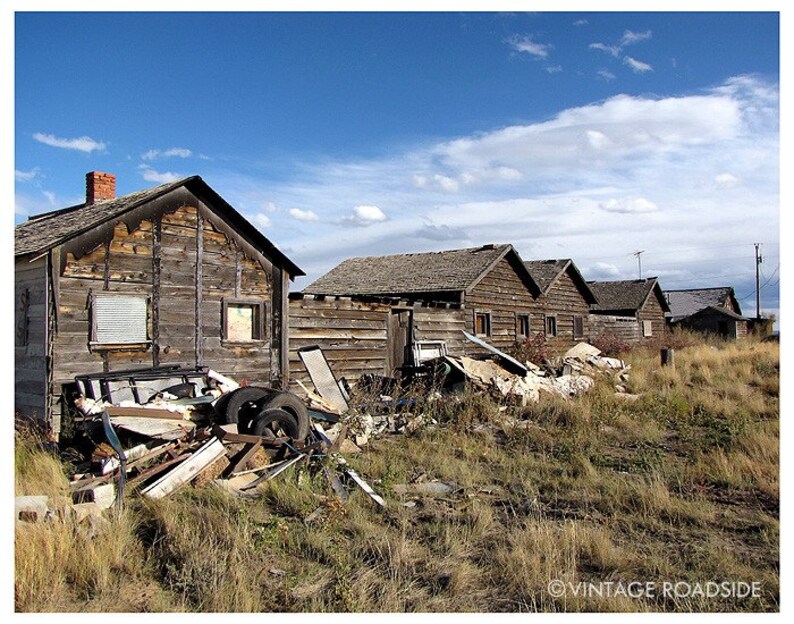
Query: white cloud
[
  {"x": 637, "y": 66},
  {"x": 581, "y": 22},
  {"x": 632, "y": 205},
  {"x": 50, "y": 197},
  {"x": 304, "y": 215},
  {"x": 525, "y": 44},
  {"x": 81, "y": 144},
  {"x": 178, "y": 152},
  {"x": 27, "y": 176},
  {"x": 364, "y": 216},
  {"x": 726, "y": 180},
  {"x": 554, "y": 69},
  {"x": 260, "y": 220},
  {"x": 630, "y": 37},
  {"x": 582, "y": 184},
  {"x": 150, "y": 175},
  {"x": 612, "y": 50},
  {"x": 605, "y": 74}
]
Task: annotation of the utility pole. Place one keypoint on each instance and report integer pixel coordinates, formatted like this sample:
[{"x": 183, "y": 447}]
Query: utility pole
[
  {"x": 639, "y": 260},
  {"x": 758, "y": 260}
]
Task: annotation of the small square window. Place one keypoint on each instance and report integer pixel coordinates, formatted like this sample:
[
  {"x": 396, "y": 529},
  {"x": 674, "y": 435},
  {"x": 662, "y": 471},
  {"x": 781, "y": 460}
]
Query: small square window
[
  {"x": 482, "y": 323},
  {"x": 522, "y": 325},
  {"x": 119, "y": 319},
  {"x": 243, "y": 320},
  {"x": 551, "y": 326}
]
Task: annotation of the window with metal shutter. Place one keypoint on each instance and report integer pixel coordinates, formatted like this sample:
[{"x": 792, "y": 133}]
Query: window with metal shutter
[{"x": 120, "y": 319}]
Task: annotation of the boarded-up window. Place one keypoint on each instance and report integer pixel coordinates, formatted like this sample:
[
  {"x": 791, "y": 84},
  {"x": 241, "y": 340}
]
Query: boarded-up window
[
  {"x": 119, "y": 319},
  {"x": 482, "y": 323},
  {"x": 551, "y": 326},
  {"x": 578, "y": 327},
  {"x": 522, "y": 325},
  {"x": 647, "y": 328},
  {"x": 243, "y": 320}
]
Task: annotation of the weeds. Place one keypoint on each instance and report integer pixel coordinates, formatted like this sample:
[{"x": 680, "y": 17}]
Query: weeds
[{"x": 682, "y": 484}]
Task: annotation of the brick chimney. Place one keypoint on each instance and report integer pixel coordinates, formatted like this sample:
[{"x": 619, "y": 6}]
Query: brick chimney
[{"x": 99, "y": 186}]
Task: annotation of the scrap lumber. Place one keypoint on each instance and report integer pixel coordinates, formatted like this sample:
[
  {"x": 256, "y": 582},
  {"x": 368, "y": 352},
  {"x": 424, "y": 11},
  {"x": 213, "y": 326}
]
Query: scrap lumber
[
  {"x": 187, "y": 470},
  {"x": 161, "y": 428},
  {"x": 242, "y": 458},
  {"x": 269, "y": 475}
]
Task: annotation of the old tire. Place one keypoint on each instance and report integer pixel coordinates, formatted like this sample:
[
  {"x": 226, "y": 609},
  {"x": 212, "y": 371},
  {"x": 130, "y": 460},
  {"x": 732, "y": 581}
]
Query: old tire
[
  {"x": 292, "y": 405},
  {"x": 237, "y": 406},
  {"x": 274, "y": 423}
]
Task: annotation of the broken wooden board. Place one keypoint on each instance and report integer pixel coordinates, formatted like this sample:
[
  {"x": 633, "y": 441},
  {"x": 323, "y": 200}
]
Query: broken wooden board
[
  {"x": 275, "y": 472},
  {"x": 202, "y": 459},
  {"x": 144, "y": 412},
  {"x": 507, "y": 361},
  {"x": 160, "y": 428}
]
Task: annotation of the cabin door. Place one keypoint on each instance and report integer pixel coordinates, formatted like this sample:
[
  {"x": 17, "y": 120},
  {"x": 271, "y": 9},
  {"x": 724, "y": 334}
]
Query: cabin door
[{"x": 400, "y": 339}]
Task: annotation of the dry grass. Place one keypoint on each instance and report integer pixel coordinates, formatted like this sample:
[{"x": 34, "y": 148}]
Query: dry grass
[{"x": 682, "y": 485}]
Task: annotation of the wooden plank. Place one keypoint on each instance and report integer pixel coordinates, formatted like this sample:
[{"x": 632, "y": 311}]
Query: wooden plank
[
  {"x": 239, "y": 461},
  {"x": 188, "y": 470}
]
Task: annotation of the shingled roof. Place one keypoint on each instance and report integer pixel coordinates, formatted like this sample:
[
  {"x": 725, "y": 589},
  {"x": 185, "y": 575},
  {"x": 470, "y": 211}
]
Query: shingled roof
[
  {"x": 546, "y": 272},
  {"x": 684, "y": 303},
  {"x": 41, "y": 233},
  {"x": 457, "y": 270},
  {"x": 625, "y": 295}
]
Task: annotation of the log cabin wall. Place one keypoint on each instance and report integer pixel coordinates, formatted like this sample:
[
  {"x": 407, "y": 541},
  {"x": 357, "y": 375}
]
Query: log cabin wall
[
  {"x": 503, "y": 295},
  {"x": 565, "y": 301},
  {"x": 652, "y": 312},
  {"x": 186, "y": 266},
  {"x": 354, "y": 333},
  {"x": 626, "y": 328},
  {"x": 30, "y": 337}
]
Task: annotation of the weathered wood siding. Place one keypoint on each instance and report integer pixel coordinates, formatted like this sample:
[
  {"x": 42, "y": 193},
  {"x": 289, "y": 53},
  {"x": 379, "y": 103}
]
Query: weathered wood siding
[
  {"x": 30, "y": 337},
  {"x": 652, "y": 311},
  {"x": 502, "y": 293},
  {"x": 625, "y": 328},
  {"x": 564, "y": 300},
  {"x": 159, "y": 258},
  {"x": 352, "y": 334}
]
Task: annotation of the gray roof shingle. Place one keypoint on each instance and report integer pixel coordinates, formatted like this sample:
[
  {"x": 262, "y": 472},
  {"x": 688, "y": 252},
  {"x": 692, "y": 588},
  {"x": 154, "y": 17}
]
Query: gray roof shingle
[
  {"x": 545, "y": 272},
  {"x": 687, "y": 302},
  {"x": 622, "y": 294},
  {"x": 441, "y": 271}
]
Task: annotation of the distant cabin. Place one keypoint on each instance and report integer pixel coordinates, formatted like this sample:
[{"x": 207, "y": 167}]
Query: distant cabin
[
  {"x": 632, "y": 310},
  {"x": 164, "y": 276},
  {"x": 368, "y": 313},
  {"x": 708, "y": 310},
  {"x": 562, "y": 309}
]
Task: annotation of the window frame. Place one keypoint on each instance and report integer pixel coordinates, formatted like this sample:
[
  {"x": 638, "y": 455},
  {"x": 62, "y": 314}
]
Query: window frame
[
  {"x": 520, "y": 318},
  {"x": 258, "y": 328},
  {"x": 647, "y": 329},
  {"x": 580, "y": 319},
  {"x": 550, "y": 317},
  {"x": 93, "y": 341},
  {"x": 486, "y": 314}
]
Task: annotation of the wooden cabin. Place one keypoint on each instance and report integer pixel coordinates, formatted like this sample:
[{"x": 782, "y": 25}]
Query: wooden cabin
[
  {"x": 633, "y": 310},
  {"x": 389, "y": 303},
  {"x": 368, "y": 335},
  {"x": 165, "y": 276},
  {"x": 561, "y": 312},
  {"x": 708, "y": 310}
]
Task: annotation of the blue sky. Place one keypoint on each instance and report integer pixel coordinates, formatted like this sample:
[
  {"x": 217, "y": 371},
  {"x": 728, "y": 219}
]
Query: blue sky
[{"x": 583, "y": 135}]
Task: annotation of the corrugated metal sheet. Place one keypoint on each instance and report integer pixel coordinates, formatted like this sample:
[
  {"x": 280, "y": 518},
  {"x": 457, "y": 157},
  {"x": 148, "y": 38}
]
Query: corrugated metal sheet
[{"x": 120, "y": 319}]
